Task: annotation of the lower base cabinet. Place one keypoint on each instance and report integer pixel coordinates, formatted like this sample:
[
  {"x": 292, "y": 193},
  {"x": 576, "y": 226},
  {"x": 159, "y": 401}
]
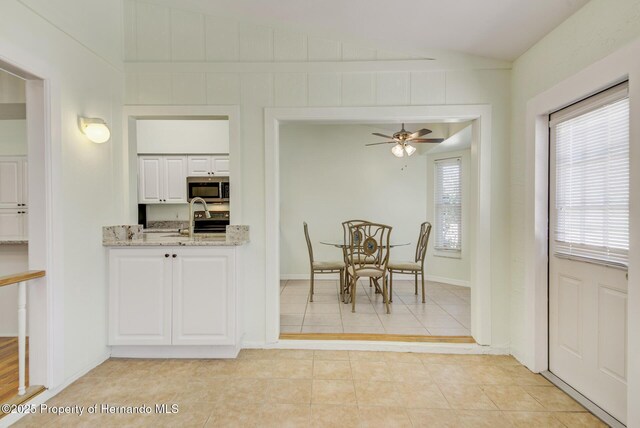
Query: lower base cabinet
[{"x": 172, "y": 296}]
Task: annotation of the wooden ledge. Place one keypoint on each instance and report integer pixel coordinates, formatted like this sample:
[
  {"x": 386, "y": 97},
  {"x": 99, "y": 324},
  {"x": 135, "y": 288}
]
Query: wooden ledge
[
  {"x": 377, "y": 337},
  {"x": 21, "y": 277}
]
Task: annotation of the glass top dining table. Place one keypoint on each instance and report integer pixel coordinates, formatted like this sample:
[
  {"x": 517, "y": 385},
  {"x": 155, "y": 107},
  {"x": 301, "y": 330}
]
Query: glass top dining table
[{"x": 339, "y": 243}]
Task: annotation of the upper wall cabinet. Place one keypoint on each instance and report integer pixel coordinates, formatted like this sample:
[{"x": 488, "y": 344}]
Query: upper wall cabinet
[
  {"x": 13, "y": 182},
  {"x": 162, "y": 179},
  {"x": 182, "y": 136},
  {"x": 204, "y": 165}
]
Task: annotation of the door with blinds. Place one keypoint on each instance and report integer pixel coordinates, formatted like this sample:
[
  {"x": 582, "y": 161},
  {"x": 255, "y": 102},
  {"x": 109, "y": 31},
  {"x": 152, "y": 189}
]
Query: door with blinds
[{"x": 588, "y": 247}]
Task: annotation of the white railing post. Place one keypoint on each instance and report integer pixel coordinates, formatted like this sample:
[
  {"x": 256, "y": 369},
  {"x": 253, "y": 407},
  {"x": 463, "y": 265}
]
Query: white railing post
[{"x": 22, "y": 336}]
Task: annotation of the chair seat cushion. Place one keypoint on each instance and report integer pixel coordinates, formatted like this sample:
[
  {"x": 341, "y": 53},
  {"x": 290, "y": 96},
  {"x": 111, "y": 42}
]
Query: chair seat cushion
[
  {"x": 330, "y": 265},
  {"x": 366, "y": 271},
  {"x": 412, "y": 266}
]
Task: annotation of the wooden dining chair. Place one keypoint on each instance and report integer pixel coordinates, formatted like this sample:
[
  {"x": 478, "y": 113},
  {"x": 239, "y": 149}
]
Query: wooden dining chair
[
  {"x": 368, "y": 255},
  {"x": 321, "y": 267},
  {"x": 415, "y": 267}
]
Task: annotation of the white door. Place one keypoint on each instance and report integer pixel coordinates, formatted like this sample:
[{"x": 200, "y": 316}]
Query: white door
[
  {"x": 175, "y": 179},
  {"x": 10, "y": 182},
  {"x": 203, "y": 300},
  {"x": 589, "y": 203},
  {"x": 12, "y": 224},
  {"x": 150, "y": 179},
  {"x": 220, "y": 165},
  {"x": 199, "y": 166},
  {"x": 140, "y": 296}
]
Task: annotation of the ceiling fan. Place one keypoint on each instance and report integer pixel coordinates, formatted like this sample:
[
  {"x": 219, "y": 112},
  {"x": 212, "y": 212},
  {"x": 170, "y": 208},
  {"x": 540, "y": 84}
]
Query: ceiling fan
[{"x": 402, "y": 138}]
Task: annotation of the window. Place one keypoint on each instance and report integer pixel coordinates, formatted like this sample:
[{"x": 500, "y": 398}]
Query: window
[
  {"x": 448, "y": 205},
  {"x": 591, "y": 141}
]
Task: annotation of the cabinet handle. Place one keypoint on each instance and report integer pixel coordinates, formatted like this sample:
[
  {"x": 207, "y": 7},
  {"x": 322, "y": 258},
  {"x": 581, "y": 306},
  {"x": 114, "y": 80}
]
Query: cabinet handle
[
  {"x": 166, "y": 255},
  {"x": 174, "y": 256}
]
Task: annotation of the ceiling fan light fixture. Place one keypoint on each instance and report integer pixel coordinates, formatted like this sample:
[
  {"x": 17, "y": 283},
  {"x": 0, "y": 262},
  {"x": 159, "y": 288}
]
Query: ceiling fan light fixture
[
  {"x": 409, "y": 149},
  {"x": 398, "y": 150}
]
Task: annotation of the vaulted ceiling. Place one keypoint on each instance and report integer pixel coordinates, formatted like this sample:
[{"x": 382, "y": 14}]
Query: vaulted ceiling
[{"x": 501, "y": 29}]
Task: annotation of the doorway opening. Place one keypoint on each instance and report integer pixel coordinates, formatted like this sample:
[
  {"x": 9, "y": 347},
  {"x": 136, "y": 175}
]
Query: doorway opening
[
  {"x": 317, "y": 167},
  {"x": 25, "y": 211},
  {"x": 328, "y": 175}
]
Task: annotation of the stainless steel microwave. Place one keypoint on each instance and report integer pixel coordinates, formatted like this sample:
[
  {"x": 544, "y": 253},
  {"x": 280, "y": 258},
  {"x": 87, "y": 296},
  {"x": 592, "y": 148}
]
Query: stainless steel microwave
[{"x": 211, "y": 189}]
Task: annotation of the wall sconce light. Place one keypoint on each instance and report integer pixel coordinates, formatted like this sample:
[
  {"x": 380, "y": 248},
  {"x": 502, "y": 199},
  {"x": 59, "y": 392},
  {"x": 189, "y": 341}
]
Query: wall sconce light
[{"x": 95, "y": 129}]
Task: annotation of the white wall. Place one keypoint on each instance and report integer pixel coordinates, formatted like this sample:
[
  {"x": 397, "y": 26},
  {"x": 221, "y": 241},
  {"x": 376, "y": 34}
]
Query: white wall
[
  {"x": 306, "y": 77},
  {"x": 327, "y": 176},
  {"x": 440, "y": 265},
  {"x": 13, "y": 137},
  {"x": 590, "y": 34},
  {"x": 86, "y": 176},
  {"x": 182, "y": 136}
]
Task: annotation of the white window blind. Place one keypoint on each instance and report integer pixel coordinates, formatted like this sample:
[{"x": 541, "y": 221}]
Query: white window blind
[
  {"x": 448, "y": 204},
  {"x": 592, "y": 178}
]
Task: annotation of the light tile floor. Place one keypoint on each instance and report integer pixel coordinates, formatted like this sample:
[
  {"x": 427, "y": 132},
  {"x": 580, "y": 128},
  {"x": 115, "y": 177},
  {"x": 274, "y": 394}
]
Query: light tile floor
[
  {"x": 447, "y": 311},
  {"x": 301, "y": 388}
]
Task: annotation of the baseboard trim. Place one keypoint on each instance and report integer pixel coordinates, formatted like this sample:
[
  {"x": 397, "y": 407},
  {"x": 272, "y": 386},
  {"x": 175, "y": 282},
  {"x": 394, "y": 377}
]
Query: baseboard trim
[
  {"x": 226, "y": 351},
  {"x": 363, "y": 345},
  {"x": 592, "y": 407},
  {"x": 377, "y": 337},
  {"x": 441, "y": 279}
]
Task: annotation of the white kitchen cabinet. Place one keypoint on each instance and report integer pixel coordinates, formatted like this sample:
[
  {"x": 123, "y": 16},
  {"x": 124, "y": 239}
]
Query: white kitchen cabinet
[
  {"x": 162, "y": 179},
  {"x": 172, "y": 296},
  {"x": 203, "y": 297},
  {"x": 199, "y": 166},
  {"x": 207, "y": 165},
  {"x": 13, "y": 182},
  {"x": 220, "y": 165},
  {"x": 140, "y": 297},
  {"x": 175, "y": 179},
  {"x": 13, "y": 224}
]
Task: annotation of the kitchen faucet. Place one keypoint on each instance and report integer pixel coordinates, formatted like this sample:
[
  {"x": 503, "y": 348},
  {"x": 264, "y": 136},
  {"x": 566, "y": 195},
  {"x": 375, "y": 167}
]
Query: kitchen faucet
[{"x": 191, "y": 218}]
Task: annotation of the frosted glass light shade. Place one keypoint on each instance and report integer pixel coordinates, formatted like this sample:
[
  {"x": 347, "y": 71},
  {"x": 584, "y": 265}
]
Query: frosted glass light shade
[
  {"x": 410, "y": 149},
  {"x": 398, "y": 150},
  {"x": 95, "y": 129}
]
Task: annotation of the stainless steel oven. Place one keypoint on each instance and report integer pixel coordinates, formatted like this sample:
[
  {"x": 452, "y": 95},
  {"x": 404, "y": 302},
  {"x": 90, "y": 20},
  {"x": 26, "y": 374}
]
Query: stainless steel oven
[
  {"x": 211, "y": 189},
  {"x": 216, "y": 223}
]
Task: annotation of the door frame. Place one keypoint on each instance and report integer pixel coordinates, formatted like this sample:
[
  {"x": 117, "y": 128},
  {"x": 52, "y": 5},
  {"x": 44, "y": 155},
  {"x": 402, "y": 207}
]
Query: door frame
[
  {"x": 621, "y": 65},
  {"x": 481, "y": 114},
  {"x": 45, "y": 310}
]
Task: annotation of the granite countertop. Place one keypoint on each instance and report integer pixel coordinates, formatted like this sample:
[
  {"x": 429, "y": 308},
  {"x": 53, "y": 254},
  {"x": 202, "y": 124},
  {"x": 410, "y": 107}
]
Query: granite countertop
[
  {"x": 133, "y": 236},
  {"x": 14, "y": 241}
]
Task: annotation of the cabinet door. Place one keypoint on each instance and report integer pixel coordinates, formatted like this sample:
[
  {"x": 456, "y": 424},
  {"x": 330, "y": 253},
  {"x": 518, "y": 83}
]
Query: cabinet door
[
  {"x": 199, "y": 166},
  {"x": 140, "y": 296},
  {"x": 150, "y": 183},
  {"x": 175, "y": 179},
  {"x": 12, "y": 224},
  {"x": 220, "y": 165},
  {"x": 204, "y": 297},
  {"x": 10, "y": 182}
]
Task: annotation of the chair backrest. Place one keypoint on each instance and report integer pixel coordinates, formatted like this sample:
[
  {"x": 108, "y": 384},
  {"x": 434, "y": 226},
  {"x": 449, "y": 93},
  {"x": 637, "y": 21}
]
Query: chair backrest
[
  {"x": 423, "y": 240},
  {"x": 309, "y": 247},
  {"x": 369, "y": 245},
  {"x": 346, "y": 234},
  {"x": 345, "y": 229}
]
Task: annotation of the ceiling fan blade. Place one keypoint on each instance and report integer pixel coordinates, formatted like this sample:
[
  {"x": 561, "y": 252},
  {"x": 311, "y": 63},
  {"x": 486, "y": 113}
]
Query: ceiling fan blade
[
  {"x": 384, "y": 142},
  {"x": 419, "y": 133},
  {"x": 382, "y": 135},
  {"x": 427, "y": 140}
]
